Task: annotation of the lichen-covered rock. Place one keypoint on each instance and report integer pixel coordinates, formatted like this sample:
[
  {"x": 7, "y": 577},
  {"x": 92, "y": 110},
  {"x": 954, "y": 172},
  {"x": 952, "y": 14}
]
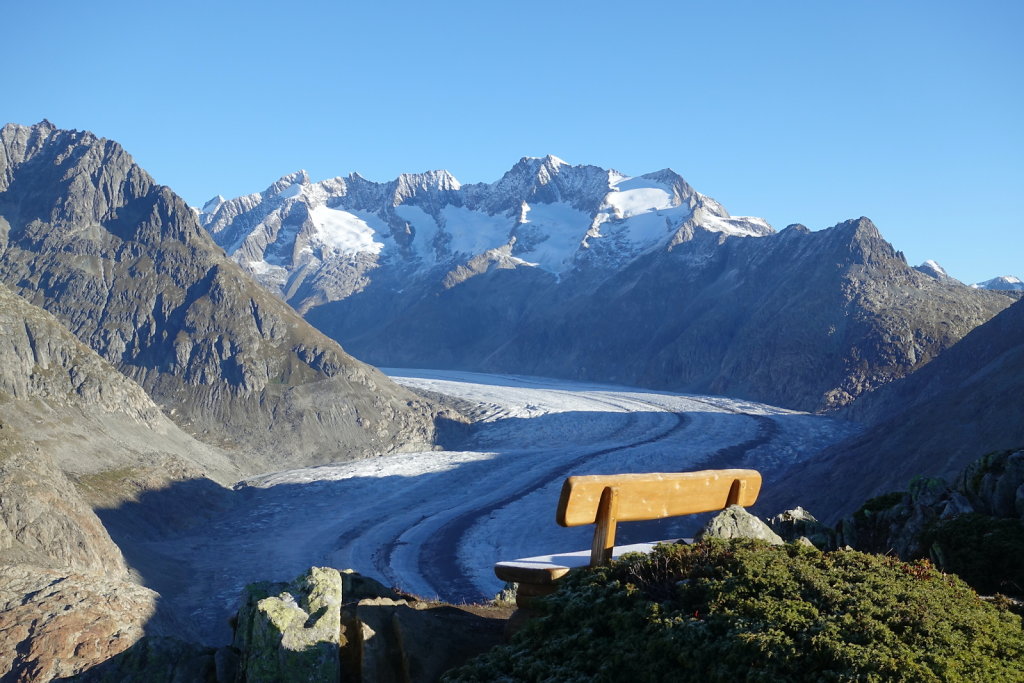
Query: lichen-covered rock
[
  {"x": 735, "y": 522},
  {"x": 292, "y": 632},
  {"x": 284, "y": 630},
  {"x": 55, "y": 624},
  {"x": 994, "y": 484}
]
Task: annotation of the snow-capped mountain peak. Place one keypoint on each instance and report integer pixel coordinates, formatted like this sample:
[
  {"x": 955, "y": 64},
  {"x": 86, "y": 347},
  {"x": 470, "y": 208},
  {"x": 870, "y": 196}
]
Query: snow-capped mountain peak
[
  {"x": 544, "y": 167},
  {"x": 287, "y": 181},
  {"x": 409, "y": 185},
  {"x": 543, "y": 213},
  {"x": 934, "y": 270},
  {"x": 1006, "y": 283},
  {"x": 213, "y": 204}
]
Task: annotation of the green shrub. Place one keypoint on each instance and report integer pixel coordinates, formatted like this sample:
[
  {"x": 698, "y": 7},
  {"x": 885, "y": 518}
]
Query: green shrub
[
  {"x": 880, "y": 503},
  {"x": 745, "y": 611},
  {"x": 986, "y": 552}
]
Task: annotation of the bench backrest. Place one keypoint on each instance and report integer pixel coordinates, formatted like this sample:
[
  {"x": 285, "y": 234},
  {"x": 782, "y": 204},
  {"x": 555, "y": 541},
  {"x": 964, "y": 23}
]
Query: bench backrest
[{"x": 656, "y": 495}]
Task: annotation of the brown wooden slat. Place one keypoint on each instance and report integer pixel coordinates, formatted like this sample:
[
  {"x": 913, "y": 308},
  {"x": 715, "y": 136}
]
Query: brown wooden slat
[{"x": 656, "y": 495}]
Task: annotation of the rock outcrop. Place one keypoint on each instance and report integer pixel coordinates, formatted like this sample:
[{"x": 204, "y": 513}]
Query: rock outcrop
[
  {"x": 326, "y": 625},
  {"x": 292, "y": 632},
  {"x": 973, "y": 526},
  {"x": 123, "y": 263},
  {"x": 55, "y": 624},
  {"x": 735, "y": 522},
  {"x": 793, "y": 525}
]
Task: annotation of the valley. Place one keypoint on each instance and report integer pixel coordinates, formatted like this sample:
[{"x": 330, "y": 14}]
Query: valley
[
  {"x": 433, "y": 523},
  {"x": 182, "y": 416}
]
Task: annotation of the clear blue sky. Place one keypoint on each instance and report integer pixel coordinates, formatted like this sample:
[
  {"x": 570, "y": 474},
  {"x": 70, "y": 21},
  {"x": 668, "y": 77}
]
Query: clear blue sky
[{"x": 907, "y": 112}]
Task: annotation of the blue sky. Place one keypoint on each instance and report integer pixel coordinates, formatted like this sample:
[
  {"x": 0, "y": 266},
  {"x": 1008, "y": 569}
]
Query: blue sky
[{"x": 813, "y": 112}]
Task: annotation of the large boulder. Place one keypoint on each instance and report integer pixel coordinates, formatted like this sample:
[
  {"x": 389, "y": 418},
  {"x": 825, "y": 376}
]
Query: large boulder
[
  {"x": 735, "y": 522},
  {"x": 292, "y": 632},
  {"x": 406, "y": 642},
  {"x": 798, "y": 523},
  {"x": 330, "y": 625}
]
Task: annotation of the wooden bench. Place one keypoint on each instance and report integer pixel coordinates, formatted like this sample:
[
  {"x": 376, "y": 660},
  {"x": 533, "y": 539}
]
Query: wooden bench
[{"x": 606, "y": 500}]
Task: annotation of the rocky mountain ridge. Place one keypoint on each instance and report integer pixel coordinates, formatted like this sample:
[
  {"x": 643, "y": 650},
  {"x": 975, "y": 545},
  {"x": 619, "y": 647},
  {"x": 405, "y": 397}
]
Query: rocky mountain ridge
[
  {"x": 542, "y": 213},
  {"x": 933, "y": 423},
  {"x": 76, "y": 436},
  {"x": 87, "y": 235},
  {"x": 580, "y": 272}
]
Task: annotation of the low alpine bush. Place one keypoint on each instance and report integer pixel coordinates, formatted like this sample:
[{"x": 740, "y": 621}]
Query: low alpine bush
[{"x": 746, "y": 611}]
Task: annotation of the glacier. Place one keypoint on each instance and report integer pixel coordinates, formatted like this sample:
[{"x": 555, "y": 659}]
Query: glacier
[{"x": 434, "y": 523}]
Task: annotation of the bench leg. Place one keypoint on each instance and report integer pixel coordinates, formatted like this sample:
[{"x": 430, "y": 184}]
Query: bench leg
[
  {"x": 736, "y": 492},
  {"x": 604, "y": 531}
]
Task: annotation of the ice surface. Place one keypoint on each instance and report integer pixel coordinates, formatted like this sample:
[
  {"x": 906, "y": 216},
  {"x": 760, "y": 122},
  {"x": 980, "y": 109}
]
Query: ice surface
[
  {"x": 560, "y": 229},
  {"x": 345, "y": 232},
  {"x": 639, "y": 195},
  {"x": 474, "y": 232}
]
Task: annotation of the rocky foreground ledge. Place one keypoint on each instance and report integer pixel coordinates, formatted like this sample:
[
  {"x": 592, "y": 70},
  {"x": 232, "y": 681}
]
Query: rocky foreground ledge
[
  {"x": 88, "y": 624},
  {"x": 326, "y": 625}
]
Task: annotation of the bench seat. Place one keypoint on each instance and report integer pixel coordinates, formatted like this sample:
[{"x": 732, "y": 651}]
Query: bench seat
[{"x": 547, "y": 569}]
